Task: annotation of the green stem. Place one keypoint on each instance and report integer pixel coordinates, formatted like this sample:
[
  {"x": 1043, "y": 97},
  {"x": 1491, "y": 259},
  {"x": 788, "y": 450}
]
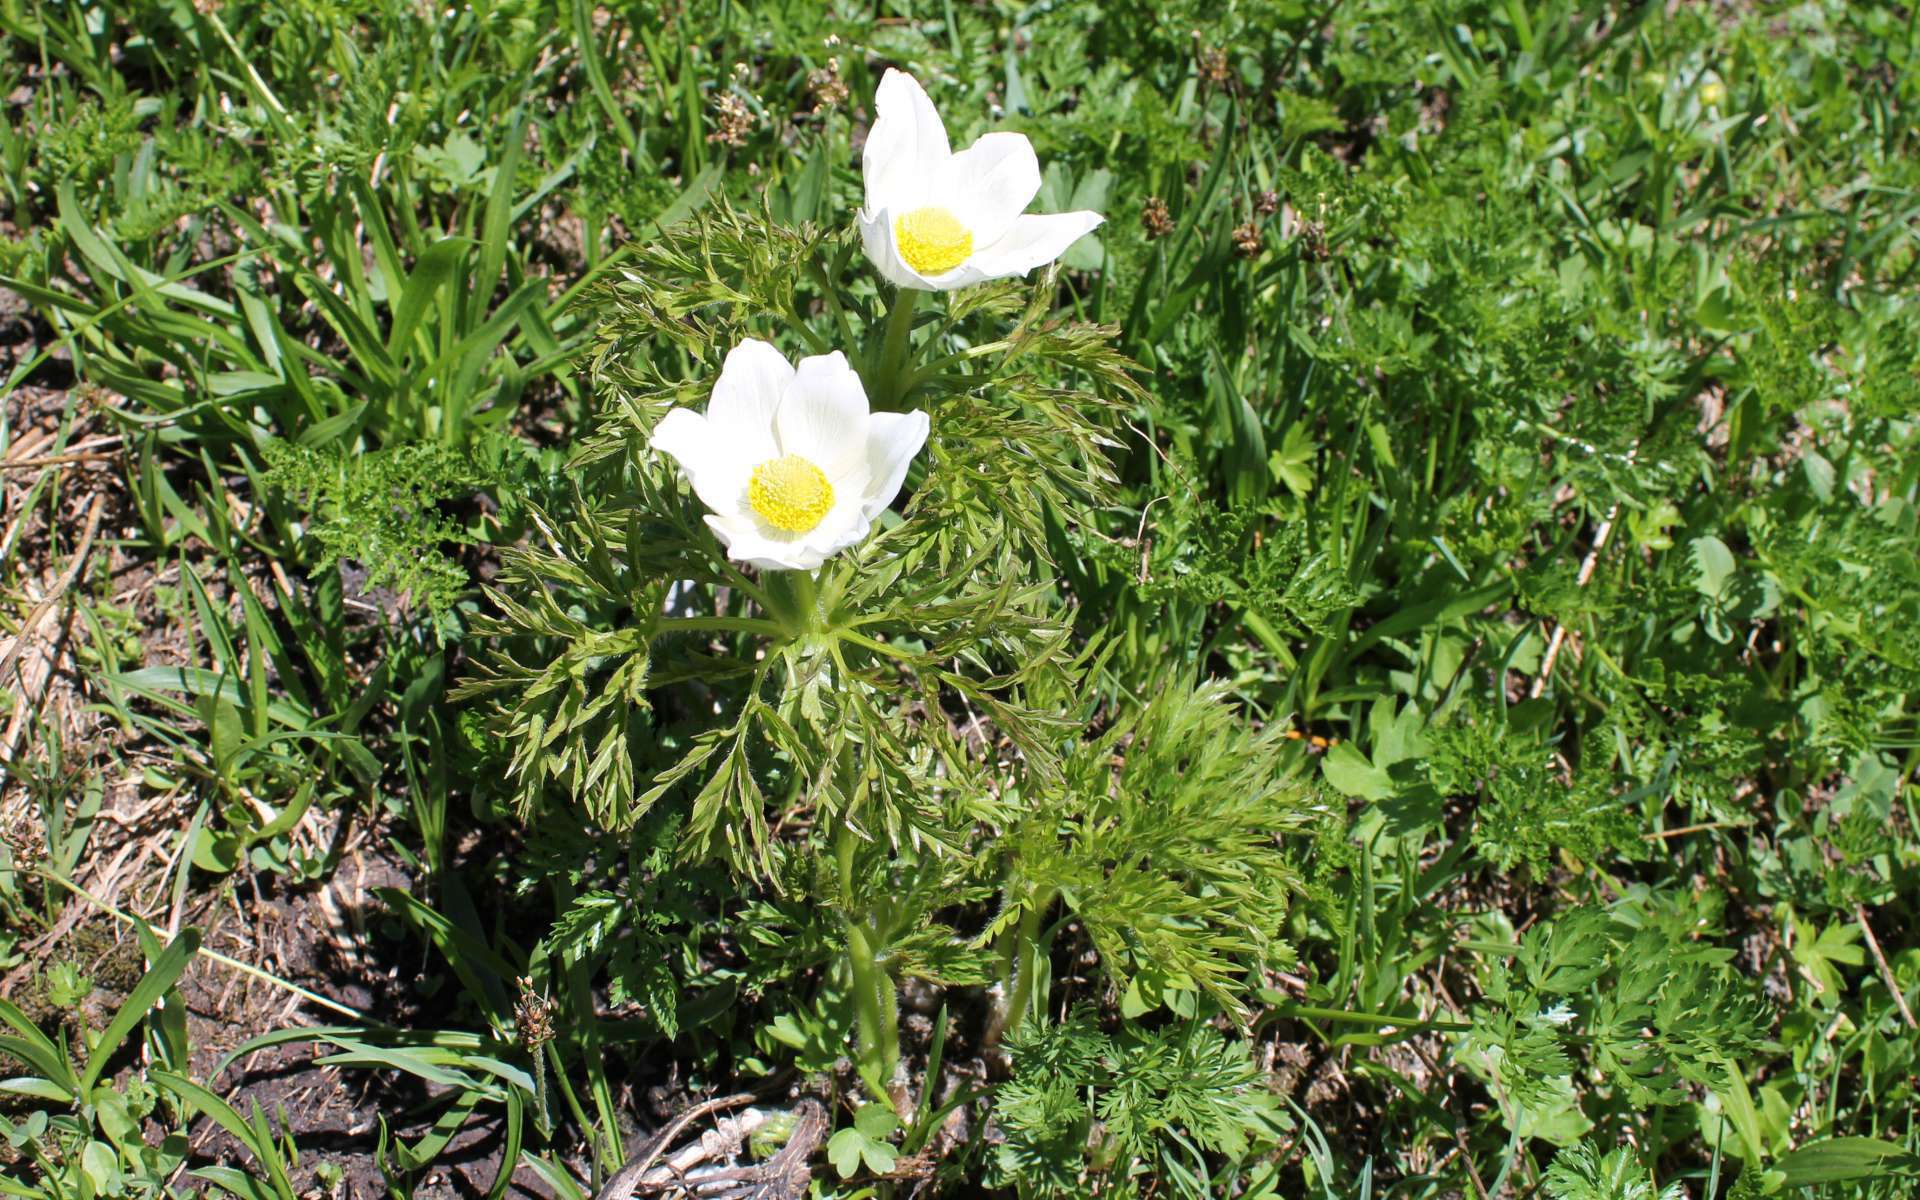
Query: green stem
[
  {"x": 1023, "y": 950},
  {"x": 799, "y": 325},
  {"x": 715, "y": 624},
  {"x": 832, "y": 295},
  {"x": 605, "y": 1135},
  {"x": 878, "y": 647},
  {"x": 876, "y": 1005},
  {"x": 806, "y": 589},
  {"x": 558, "y": 1073},
  {"x": 890, "y": 383},
  {"x": 1023, "y": 958},
  {"x": 937, "y": 366},
  {"x": 792, "y": 601},
  {"x": 876, "y": 1009},
  {"x": 1378, "y": 1020}
]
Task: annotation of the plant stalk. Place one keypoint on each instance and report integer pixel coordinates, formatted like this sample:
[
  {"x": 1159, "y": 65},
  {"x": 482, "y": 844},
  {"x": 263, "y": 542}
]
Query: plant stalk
[
  {"x": 793, "y": 602},
  {"x": 876, "y": 1003},
  {"x": 890, "y": 380},
  {"x": 876, "y": 1008},
  {"x": 1020, "y": 966}
]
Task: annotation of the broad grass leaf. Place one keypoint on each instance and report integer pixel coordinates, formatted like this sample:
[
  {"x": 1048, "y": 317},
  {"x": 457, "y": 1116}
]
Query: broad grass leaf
[{"x": 1838, "y": 1160}]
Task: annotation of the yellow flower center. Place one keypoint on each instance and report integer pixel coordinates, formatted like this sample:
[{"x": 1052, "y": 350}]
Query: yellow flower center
[
  {"x": 932, "y": 240},
  {"x": 790, "y": 493}
]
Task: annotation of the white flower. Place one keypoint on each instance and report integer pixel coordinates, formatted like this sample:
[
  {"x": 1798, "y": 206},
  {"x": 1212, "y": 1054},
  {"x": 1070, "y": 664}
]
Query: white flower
[
  {"x": 789, "y": 459},
  {"x": 937, "y": 220}
]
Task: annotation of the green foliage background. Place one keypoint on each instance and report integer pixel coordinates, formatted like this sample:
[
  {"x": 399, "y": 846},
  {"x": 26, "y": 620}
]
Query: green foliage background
[{"x": 1397, "y": 673}]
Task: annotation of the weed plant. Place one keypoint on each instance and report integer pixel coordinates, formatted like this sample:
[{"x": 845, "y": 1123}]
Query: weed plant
[{"x": 1387, "y": 667}]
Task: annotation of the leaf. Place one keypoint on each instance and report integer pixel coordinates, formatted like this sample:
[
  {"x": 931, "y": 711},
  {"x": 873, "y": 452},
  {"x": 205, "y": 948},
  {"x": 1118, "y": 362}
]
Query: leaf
[
  {"x": 37, "y": 1050},
  {"x": 403, "y": 1058},
  {"x": 1293, "y": 463},
  {"x": 1433, "y": 612},
  {"x": 102, "y": 1167},
  {"x": 238, "y": 1182},
  {"x": 459, "y": 161},
  {"x": 148, "y": 992},
  {"x": 1553, "y": 1115},
  {"x": 110, "y": 262},
  {"x": 1837, "y": 1160},
  {"x": 200, "y": 682},
  {"x": 876, "y": 1121},
  {"x": 28, "y": 1085},
  {"x": 1567, "y": 954},
  {"x": 1818, "y": 954},
  {"x": 260, "y": 1145},
  {"x": 1738, "y": 1103},
  {"x": 1091, "y": 191},
  {"x": 880, "y": 1157},
  {"x": 430, "y": 273},
  {"x": 497, "y": 223},
  {"x": 216, "y": 852},
  {"x": 1713, "y": 566},
  {"x": 865, "y": 1141},
  {"x": 1354, "y": 775},
  {"x": 479, "y": 966},
  {"x": 589, "y": 50},
  {"x": 1819, "y": 474},
  {"x": 843, "y": 1151}
]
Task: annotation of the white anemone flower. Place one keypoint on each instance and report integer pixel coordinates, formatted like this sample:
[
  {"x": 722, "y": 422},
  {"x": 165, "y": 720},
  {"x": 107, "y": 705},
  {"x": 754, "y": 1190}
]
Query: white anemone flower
[
  {"x": 789, "y": 459},
  {"x": 936, "y": 220}
]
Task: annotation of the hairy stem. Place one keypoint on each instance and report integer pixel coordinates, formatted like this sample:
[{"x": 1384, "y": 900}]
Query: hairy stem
[
  {"x": 891, "y": 381},
  {"x": 876, "y": 1004},
  {"x": 876, "y": 1010},
  {"x": 718, "y": 625},
  {"x": 1026, "y": 946},
  {"x": 792, "y": 602}
]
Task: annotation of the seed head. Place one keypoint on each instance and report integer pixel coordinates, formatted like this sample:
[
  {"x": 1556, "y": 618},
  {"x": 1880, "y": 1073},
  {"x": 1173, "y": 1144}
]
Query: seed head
[
  {"x": 733, "y": 120},
  {"x": 1313, "y": 242},
  {"x": 1246, "y": 240},
  {"x": 1213, "y": 66},
  {"x": 1155, "y": 219},
  {"x": 533, "y": 1016},
  {"x": 826, "y": 87}
]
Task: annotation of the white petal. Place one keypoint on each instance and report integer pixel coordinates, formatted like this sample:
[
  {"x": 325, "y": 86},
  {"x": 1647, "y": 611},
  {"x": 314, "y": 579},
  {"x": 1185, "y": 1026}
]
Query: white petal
[
  {"x": 892, "y": 441},
  {"x": 1033, "y": 241},
  {"x": 876, "y": 235},
  {"x": 746, "y": 396},
  {"x": 990, "y": 183},
  {"x": 719, "y": 476},
  {"x": 847, "y": 521},
  {"x": 834, "y": 536},
  {"x": 907, "y": 146},
  {"x": 747, "y": 544},
  {"x": 823, "y": 416}
]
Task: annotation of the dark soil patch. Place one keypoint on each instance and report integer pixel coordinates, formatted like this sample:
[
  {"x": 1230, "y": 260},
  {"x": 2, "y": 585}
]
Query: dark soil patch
[{"x": 334, "y": 939}]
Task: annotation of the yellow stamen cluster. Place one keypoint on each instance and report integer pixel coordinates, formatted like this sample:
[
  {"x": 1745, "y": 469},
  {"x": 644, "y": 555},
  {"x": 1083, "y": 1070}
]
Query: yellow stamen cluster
[
  {"x": 790, "y": 493},
  {"x": 932, "y": 240}
]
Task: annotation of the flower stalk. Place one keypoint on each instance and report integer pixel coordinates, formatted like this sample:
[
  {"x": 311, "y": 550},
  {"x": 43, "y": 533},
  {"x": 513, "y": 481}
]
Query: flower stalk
[
  {"x": 793, "y": 600},
  {"x": 891, "y": 377},
  {"x": 876, "y": 1001},
  {"x": 876, "y": 1010},
  {"x": 1022, "y": 959}
]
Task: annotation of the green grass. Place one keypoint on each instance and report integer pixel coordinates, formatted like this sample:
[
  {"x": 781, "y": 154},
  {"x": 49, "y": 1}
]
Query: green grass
[{"x": 1394, "y": 674}]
